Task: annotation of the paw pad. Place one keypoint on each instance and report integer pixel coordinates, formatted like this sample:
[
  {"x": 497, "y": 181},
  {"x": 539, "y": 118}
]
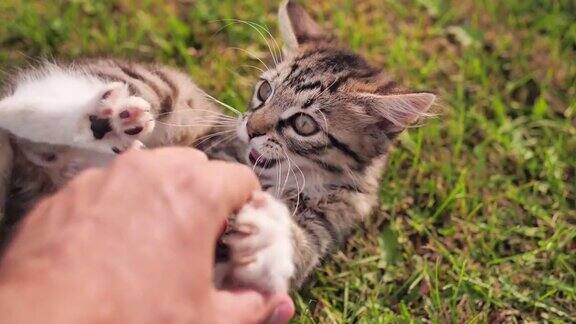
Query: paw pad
[
  {"x": 100, "y": 126},
  {"x": 134, "y": 131},
  {"x": 125, "y": 114}
]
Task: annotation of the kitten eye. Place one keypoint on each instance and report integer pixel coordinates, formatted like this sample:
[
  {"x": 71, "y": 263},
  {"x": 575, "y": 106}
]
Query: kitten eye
[
  {"x": 264, "y": 91},
  {"x": 305, "y": 125}
]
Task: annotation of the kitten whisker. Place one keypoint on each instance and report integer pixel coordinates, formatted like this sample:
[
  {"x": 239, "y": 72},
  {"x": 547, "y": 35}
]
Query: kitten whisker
[
  {"x": 327, "y": 88},
  {"x": 353, "y": 176},
  {"x": 325, "y": 119},
  {"x": 205, "y": 119},
  {"x": 218, "y": 119},
  {"x": 200, "y": 124},
  {"x": 297, "y": 194},
  {"x": 253, "y": 66},
  {"x": 225, "y": 105},
  {"x": 299, "y": 170},
  {"x": 256, "y": 163},
  {"x": 237, "y": 22},
  {"x": 287, "y": 174},
  {"x": 254, "y": 56},
  {"x": 203, "y": 139},
  {"x": 226, "y": 131},
  {"x": 279, "y": 190},
  {"x": 194, "y": 110},
  {"x": 259, "y": 28},
  {"x": 279, "y": 174},
  {"x": 267, "y": 30},
  {"x": 303, "y": 178},
  {"x": 221, "y": 141},
  {"x": 299, "y": 189}
]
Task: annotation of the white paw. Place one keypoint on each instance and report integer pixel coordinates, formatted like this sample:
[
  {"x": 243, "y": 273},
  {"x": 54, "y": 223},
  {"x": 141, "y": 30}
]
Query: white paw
[
  {"x": 121, "y": 120},
  {"x": 260, "y": 241}
]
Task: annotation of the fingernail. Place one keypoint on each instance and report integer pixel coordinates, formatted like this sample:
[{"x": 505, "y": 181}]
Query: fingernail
[{"x": 281, "y": 314}]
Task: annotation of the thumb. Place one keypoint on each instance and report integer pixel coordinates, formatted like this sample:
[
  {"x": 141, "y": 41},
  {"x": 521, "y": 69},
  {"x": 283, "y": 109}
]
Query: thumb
[{"x": 251, "y": 307}]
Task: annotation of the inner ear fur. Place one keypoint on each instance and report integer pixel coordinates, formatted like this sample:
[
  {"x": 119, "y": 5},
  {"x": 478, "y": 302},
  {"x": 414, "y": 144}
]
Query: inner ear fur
[{"x": 395, "y": 112}]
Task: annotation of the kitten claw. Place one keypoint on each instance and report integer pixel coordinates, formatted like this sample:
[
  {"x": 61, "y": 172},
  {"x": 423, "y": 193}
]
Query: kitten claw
[{"x": 134, "y": 131}]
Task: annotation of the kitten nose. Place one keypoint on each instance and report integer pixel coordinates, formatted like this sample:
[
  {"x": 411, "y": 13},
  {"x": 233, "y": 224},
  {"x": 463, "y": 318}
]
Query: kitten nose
[
  {"x": 253, "y": 133},
  {"x": 259, "y": 124}
]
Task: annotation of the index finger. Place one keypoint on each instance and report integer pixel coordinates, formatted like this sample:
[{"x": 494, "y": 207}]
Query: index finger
[
  {"x": 234, "y": 184},
  {"x": 223, "y": 188}
]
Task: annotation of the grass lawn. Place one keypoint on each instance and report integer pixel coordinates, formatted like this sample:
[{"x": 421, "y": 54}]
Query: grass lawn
[{"x": 478, "y": 216}]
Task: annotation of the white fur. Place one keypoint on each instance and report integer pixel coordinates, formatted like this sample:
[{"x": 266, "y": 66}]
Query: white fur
[
  {"x": 52, "y": 107},
  {"x": 269, "y": 247}
]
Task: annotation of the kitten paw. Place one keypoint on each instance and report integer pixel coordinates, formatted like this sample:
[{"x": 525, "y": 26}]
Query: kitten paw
[
  {"x": 120, "y": 119},
  {"x": 260, "y": 242}
]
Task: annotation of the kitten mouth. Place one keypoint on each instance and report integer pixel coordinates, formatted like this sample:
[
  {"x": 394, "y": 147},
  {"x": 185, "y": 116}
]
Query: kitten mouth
[{"x": 260, "y": 161}]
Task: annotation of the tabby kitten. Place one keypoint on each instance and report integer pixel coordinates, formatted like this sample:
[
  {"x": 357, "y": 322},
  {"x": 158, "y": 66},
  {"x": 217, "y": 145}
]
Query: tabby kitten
[
  {"x": 317, "y": 133},
  {"x": 319, "y": 129}
]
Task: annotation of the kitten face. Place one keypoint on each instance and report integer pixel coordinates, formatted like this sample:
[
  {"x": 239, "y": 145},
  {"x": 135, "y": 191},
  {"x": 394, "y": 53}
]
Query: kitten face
[
  {"x": 297, "y": 113},
  {"x": 324, "y": 108}
]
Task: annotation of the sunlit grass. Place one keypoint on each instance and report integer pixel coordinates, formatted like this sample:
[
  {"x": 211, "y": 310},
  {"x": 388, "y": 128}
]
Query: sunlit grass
[{"x": 478, "y": 220}]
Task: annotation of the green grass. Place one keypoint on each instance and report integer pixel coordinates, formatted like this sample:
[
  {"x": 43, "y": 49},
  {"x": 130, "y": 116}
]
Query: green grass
[{"x": 478, "y": 220}]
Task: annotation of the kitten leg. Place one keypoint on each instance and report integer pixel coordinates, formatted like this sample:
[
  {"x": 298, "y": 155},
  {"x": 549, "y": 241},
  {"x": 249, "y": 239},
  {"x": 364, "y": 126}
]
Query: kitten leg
[
  {"x": 47, "y": 120},
  {"x": 260, "y": 242},
  {"x": 105, "y": 119}
]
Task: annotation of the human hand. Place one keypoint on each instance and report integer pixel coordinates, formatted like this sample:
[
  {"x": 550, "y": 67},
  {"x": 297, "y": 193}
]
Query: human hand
[{"x": 133, "y": 243}]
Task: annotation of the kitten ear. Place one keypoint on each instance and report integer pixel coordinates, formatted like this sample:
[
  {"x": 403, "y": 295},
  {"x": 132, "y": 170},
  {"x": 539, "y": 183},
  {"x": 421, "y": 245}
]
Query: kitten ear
[
  {"x": 296, "y": 26},
  {"x": 396, "y": 112},
  {"x": 113, "y": 92}
]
